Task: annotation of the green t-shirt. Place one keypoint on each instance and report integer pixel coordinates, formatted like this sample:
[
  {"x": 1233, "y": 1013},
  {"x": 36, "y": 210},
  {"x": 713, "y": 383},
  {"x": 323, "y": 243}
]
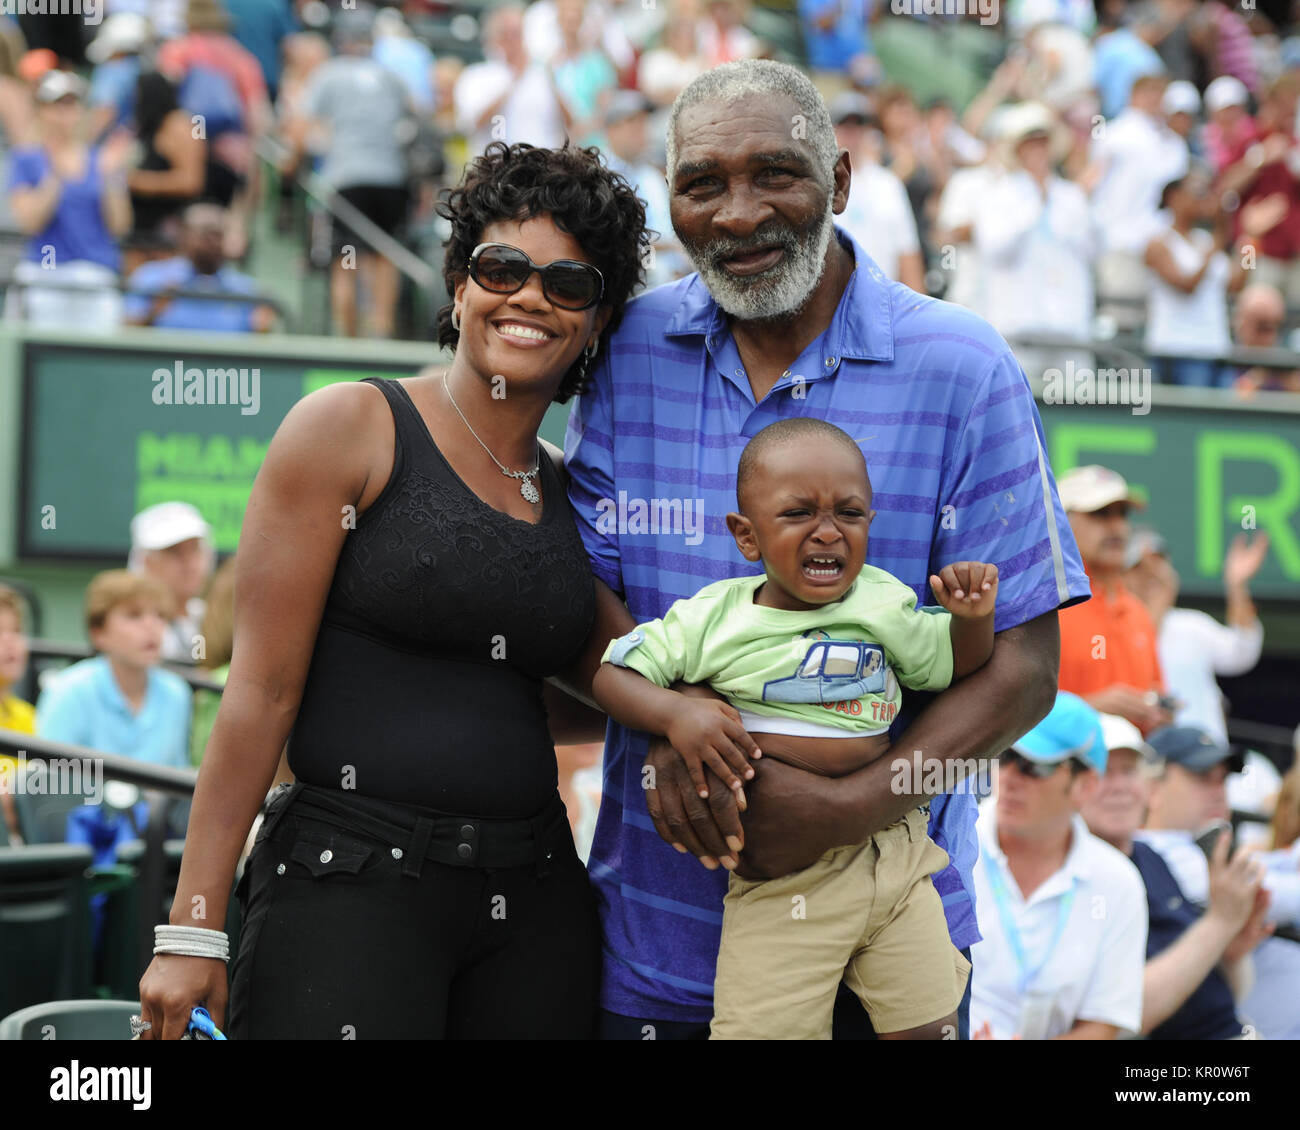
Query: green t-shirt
[{"x": 836, "y": 667}]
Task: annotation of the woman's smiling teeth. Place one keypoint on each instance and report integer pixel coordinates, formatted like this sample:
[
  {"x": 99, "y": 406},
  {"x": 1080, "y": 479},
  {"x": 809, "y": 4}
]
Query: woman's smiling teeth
[{"x": 523, "y": 333}]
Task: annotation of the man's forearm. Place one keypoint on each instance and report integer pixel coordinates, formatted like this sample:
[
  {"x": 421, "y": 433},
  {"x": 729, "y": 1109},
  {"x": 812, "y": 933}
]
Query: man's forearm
[
  {"x": 1241, "y": 609},
  {"x": 974, "y": 719},
  {"x": 1173, "y": 975}
]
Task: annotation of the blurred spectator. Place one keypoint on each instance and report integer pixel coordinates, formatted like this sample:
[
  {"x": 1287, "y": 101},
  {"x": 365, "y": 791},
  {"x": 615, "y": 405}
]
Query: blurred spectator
[
  {"x": 1224, "y": 39},
  {"x": 1193, "y": 955},
  {"x": 366, "y": 111},
  {"x": 172, "y": 544},
  {"x": 217, "y": 631},
  {"x": 626, "y": 142},
  {"x": 600, "y": 27},
  {"x": 723, "y": 35},
  {"x": 1181, "y": 106},
  {"x": 906, "y": 148},
  {"x": 1121, "y": 54},
  {"x": 1262, "y": 167},
  {"x": 1136, "y": 155},
  {"x": 580, "y": 790},
  {"x": 664, "y": 70},
  {"x": 1034, "y": 236},
  {"x": 200, "y": 266},
  {"x": 1230, "y": 129},
  {"x": 261, "y": 26},
  {"x": 1192, "y": 792},
  {"x": 1168, "y": 25},
  {"x": 171, "y": 172},
  {"x": 1257, "y": 322},
  {"x": 120, "y": 701},
  {"x": 15, "y": 714},
  {"x": 407, "y": 57},
  {"x": 583, "y": 74},
  {"x": 1286, "y": 814},
  {"x": 1108, "y": 644},
  {"x": 878, "y": 214},
  {"x": 208, "y": 44},
  {"x": 1192, "y": 645},
  {"x": 837, "y": 37},
  {"x": 1049, "y": 966},
  {"x": 1059, "y": 71},
  {"x": 1191, "y": 278},
  {"x": 71, "y": 200},
  {"x": 16, "y": 113},
  {"x": 115, "y": 52},
  {"x": 954, "y": 230},
  {"x": 166, "y": 16},
  {"x": 509, "y": 97}
]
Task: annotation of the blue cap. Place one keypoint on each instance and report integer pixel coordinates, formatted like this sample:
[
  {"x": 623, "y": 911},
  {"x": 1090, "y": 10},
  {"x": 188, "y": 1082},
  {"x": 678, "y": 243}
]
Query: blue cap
[
  {"x": 1072, "y": 728},
  {"x": 1193, "y": 748}
]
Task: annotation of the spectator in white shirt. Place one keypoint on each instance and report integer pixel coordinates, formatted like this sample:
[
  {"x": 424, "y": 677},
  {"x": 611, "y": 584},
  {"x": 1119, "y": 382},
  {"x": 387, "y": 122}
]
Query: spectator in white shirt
[
  {"x": 171, "y": 543},
  {"x": 878, "y": 214},
  {"x": 509, "y": 97},
  {"x": 1193, "y": 646},
  {"x": 1136, "y": 155},
  {"x": 1063, "y": 914},
  {"x": 1035, "y": 242}
]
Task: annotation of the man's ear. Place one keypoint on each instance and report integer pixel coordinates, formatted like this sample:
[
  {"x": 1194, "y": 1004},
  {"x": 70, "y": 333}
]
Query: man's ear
[
  {"x": 742, "y": 529},
  {"x": 842, "y": 174}
]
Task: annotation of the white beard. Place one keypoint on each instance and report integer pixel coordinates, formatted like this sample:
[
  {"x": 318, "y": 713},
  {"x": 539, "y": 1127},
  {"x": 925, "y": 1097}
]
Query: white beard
[{"x": 782, "y": 289}]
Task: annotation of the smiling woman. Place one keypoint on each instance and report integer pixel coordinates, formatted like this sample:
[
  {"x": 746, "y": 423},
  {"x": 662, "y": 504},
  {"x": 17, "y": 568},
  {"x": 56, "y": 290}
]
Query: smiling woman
[{"x": 410, "y": 586}]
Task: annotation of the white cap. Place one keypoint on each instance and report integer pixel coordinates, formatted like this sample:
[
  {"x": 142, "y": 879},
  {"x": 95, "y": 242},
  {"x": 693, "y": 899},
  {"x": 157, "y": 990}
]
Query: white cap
[
  {"x": 167, "y": 524},
  {"x": 1225, "y": 91},
  {"x": 55, "y": 85},
  {"x": 1120, "y": 733},
  {"x": 124, "y": 32},
  {"x": 1181, "y": 98},
  {"x": 1085, "y": 489}
]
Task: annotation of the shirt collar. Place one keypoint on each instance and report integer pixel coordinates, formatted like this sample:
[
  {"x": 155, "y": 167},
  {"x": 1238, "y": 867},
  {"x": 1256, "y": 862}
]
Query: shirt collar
[
  {"x": 1077, "y": 863},
  {"x": 861, "y": 327},
  {"x": 111, "y": 694}
]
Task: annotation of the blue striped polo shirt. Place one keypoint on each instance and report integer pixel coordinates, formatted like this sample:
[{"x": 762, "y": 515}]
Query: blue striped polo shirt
[{"x": 955, "y": 451}]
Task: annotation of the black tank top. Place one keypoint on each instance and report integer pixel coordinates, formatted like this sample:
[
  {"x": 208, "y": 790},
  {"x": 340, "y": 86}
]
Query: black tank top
[{"x": 444, "y": 615}]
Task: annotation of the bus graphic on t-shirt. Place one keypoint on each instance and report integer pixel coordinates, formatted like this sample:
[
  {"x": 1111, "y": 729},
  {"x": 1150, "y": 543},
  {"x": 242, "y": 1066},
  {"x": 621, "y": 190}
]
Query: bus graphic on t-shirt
[{"x": 833, "y": 671}]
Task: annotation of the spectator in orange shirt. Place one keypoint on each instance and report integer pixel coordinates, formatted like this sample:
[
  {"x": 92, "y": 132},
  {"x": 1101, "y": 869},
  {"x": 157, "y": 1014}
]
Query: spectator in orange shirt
[{"x": 1108, "y": 645}]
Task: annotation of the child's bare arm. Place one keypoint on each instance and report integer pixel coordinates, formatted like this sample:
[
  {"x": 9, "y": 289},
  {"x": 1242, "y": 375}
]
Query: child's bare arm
[
  {"x": 969, "y": 590},
  {"x": 705, "y": 731}
]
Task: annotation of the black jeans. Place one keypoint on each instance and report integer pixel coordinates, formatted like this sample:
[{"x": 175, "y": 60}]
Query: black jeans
[
  {"x": 850, "y": 1022},
  {"x": 347, "y": 936}
]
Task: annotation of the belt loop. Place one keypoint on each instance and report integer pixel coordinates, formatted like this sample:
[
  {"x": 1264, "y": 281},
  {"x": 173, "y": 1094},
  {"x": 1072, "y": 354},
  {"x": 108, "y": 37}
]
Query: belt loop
[
  {"x": 543, "y": 856},
  {"x": 413, "y": 861}
]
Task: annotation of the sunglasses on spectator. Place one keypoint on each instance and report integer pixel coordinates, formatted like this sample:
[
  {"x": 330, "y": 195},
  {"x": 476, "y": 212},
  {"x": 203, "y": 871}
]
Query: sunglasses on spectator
[
  {"x": 567, "y": 283},
  {"x": 1036, "y": 769}
]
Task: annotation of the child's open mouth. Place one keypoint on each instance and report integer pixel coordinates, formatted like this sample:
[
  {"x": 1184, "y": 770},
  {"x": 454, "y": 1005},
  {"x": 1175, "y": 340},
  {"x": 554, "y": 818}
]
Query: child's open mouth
[{"x": 823, "y": 568}]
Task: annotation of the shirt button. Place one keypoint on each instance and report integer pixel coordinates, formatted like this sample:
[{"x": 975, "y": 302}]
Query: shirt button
[
  {"x": 740, "y": 372},
  {"x": 326, "y": 855},
  {"x": 830, "y": 362},
  {"x": 397, "y": 853}
]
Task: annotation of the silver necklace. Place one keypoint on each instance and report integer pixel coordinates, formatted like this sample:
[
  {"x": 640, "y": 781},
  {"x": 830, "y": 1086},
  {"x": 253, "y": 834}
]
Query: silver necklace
[{"x": 526, "y": 487}]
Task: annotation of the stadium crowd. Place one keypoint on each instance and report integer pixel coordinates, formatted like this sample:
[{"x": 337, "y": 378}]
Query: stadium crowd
[
  {"x": 1071, "y": 173},
  {"x": 1079, "y": 173}
]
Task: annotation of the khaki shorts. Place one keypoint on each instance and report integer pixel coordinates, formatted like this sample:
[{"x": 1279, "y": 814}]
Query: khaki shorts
[{"x": 867, "y": 915}]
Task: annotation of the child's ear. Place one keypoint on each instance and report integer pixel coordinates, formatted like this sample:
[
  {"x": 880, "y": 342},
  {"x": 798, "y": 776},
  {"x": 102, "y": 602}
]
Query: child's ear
[{"x": 743, "y": 531}]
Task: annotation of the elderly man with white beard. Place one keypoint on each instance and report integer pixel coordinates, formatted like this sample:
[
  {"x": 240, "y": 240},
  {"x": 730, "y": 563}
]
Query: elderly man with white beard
[{"x": 785, "y": 316}]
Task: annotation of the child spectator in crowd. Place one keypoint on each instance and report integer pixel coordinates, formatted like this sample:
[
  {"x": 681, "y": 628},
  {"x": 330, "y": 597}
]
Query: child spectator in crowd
[
  {"x": 815, "y": 647},
  {"x": 171, "y": 543},
  {"x": 1050, "y": 966},
  {"x": 15, "y": 714},
  {"x": 120, "y": 701}
]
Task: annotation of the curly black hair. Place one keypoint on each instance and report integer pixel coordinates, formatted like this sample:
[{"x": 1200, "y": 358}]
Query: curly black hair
[{"x": 579, "y": 192}]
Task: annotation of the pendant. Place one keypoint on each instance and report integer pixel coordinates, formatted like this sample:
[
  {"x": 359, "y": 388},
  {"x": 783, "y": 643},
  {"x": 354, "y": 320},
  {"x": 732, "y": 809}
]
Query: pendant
[{"x": 529, "y": 491}]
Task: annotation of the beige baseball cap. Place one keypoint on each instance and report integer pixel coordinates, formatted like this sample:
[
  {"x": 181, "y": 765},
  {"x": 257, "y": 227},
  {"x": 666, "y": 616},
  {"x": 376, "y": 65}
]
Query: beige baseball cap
[{"x": 1085, "y": 489}]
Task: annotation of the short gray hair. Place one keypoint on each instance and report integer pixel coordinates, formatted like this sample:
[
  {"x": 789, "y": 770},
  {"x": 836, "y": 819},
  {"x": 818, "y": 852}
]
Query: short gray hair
[{"x": 732, "y": 82}]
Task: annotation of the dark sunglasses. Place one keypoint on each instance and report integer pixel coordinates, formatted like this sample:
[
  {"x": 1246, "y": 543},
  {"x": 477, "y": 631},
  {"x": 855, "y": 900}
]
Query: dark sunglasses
[
  {"x": 567, "y": 283},
  {"x": 1035, "y": 769}
]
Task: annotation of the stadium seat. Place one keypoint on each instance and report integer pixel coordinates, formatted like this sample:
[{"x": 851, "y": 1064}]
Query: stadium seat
[
  {"x": 44, "y": 924},
  {"x": 43, "y": 812},
  {"x": 71, "y": 1020}
]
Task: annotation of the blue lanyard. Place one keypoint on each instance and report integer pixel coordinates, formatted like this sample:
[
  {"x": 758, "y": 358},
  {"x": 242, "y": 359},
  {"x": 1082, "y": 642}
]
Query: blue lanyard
[{"x": 1001, "y": 896}]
